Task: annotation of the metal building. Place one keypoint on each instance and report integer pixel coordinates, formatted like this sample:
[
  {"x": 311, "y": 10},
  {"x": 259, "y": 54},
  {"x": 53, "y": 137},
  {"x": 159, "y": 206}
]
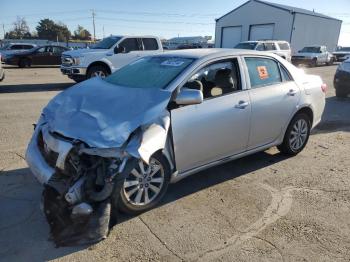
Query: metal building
[{"x": 257, "y": 20}]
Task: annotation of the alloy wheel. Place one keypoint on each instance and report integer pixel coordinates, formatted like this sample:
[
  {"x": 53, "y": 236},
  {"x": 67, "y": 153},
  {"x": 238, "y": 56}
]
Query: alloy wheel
[
  {"x": 144, "y": 183},
  {"x": 298, "y": 135},
  {"x": 100, "y": 74}
]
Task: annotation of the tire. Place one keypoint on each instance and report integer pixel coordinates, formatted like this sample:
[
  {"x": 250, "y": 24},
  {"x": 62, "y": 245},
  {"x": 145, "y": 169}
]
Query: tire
[
  {"x": 293, "y": 143},
  {"x": 24, "y": 62},
  {"x": 313, "y": 62},
  {"x": 133, "y": 187},
  {"x": 330, "y": 62},
  {"x": 98, "y": 70}
]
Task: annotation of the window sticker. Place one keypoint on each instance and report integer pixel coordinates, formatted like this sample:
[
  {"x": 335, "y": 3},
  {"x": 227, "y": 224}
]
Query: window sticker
[
  {"x": 263, "y": 74},
  {"x": 172, "y": 63}
]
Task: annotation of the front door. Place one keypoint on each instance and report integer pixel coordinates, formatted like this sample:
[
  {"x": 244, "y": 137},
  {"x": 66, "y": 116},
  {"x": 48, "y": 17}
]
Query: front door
[
  {"x": 274, "y": 97},
  {"x": 132, "y": 51},
  {"x": 219, "y": 126},
  {"x": 39, "y": 57}
]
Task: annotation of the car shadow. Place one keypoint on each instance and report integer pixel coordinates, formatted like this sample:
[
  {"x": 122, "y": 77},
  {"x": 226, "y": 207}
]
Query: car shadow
[
  {"x": 20, "y": 202},
  {"x": 336, "y": 116},
  {"x": 32, "y": 66},
  {"x": 33, "y": 87}
]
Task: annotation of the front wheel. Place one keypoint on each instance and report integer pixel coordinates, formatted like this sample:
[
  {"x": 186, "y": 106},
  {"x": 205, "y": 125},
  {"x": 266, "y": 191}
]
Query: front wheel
[
  {"x": 145, "y": 186},
  {"x": 296, "y": 136},
  {"x": 97, "y": 71}
]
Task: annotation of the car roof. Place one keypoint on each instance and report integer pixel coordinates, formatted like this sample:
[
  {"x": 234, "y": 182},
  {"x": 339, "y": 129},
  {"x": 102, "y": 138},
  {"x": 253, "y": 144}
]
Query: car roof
[
  {"x": 259, "y": 41},
  {"x": 209, "y": 52}
]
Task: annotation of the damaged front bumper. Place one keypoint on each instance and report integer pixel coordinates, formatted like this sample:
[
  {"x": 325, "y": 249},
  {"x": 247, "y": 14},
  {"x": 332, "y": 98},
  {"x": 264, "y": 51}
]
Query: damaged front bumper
[{"x": 36, "y": 157}]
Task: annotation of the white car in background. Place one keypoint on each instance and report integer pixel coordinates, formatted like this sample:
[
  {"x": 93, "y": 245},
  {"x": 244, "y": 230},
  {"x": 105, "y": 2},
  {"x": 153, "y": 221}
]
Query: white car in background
[
  {"x": 278, "y": 47},
  {"x": 107, "y": 56},
  {"x": 313, "y": 56}
]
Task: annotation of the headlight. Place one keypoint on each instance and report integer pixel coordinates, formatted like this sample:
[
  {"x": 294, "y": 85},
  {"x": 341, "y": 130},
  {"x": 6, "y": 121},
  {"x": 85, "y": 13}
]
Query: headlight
[{"x": 77, "y": 60}]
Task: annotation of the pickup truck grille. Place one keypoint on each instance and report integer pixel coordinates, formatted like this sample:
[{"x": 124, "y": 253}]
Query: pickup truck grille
[{"x": 66, "y": 60}]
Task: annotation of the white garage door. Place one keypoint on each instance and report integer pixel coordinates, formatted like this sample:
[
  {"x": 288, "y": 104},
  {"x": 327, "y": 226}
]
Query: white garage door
[
  {"x": 260, "y": 32},
  {"x": 231, "y": 36}
]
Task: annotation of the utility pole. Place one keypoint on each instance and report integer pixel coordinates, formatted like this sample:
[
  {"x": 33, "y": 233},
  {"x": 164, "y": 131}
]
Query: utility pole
[
  {"x": 103, "y": 30},
  {"x": 93, "y": 23},
  {"x": 3, "y": 28}
]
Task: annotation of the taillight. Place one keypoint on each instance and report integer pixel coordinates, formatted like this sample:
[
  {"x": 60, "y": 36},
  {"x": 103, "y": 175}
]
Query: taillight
[{"x": 324, "y": 88}]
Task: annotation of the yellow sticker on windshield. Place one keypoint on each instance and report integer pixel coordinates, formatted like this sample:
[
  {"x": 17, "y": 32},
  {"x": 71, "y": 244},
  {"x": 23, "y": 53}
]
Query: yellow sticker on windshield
[{"x": 262, "y": 70}]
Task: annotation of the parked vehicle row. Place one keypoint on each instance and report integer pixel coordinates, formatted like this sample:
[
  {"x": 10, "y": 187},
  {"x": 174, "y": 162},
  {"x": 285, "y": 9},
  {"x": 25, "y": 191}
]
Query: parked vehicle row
[{"x": 313, "y": 56}]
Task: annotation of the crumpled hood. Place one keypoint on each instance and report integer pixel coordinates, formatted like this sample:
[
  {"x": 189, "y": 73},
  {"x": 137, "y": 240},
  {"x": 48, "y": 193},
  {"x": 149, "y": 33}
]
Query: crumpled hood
[
  {"x": 81, "y": 52},
  {"x": 101, "y": 114}
]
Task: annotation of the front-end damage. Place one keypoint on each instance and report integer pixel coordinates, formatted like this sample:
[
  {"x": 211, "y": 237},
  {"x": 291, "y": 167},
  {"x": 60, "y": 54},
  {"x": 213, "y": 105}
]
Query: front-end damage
[{"x": 82, "y": 175}]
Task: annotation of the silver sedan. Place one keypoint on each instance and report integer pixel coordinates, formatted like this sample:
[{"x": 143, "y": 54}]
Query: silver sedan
[{"x": 159, "y": 119}]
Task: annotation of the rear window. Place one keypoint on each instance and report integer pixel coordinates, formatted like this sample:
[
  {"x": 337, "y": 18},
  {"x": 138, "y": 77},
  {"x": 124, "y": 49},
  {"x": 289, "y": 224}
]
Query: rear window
[
  {"x": 283, "y": 46},
  {"x": 262, "y": 71},
  {"x": 27, "y": 46},
  {"x": 150, "y": 43},
  {"x": 149, "y": 72}
]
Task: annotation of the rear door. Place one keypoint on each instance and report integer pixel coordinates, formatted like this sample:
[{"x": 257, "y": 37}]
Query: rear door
[
  {"x": 231, "y": 36},
  {"x": 274, "y": 98},
  {"x": 219, "y": 126}
]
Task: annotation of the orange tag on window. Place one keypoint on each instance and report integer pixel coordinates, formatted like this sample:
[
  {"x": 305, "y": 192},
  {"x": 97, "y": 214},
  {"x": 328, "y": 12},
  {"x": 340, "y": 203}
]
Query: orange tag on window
[{"x": 262, "y": 70}]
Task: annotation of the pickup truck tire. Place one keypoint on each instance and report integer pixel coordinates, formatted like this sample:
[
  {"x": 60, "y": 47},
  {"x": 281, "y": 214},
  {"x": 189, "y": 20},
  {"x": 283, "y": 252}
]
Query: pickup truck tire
[
  {"x": 330, "y": 62},
  {"x": 296, "y": 136},
  {"x": 98, "y": 70},
  {"x": 24, "y": 62}
]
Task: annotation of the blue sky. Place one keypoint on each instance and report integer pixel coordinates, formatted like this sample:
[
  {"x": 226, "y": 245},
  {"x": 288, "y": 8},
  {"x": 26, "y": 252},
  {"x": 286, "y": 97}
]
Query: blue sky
[{"x": 157, "y": 17}]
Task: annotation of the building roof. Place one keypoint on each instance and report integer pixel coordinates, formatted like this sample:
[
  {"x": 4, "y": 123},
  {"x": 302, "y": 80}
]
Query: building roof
[{"x": 287, "y": 8}]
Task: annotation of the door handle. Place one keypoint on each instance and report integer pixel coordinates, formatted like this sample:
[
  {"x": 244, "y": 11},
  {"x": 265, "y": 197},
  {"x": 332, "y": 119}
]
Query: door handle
[
  {"x": 292, "y": 92},
  {"x": 242, "y": 104}
]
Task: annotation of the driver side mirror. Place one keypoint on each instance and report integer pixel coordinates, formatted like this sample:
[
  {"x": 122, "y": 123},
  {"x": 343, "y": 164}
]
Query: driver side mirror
[
  {"x": 188, "y": 96},
  {"x": 119, "y": 49}
]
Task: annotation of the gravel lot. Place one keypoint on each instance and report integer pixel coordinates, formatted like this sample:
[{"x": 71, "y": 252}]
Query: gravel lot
[{"x": 264, "y": 207}]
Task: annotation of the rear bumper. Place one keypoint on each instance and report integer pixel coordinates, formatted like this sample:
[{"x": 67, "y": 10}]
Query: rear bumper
[{"x": 72, "y": 71}]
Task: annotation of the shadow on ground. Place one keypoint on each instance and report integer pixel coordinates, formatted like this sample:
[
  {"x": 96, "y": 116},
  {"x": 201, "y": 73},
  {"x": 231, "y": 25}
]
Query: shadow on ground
[
  {"x": 33, "y": 87},
  {"x": 24, "y": 230},
  {"x": 336, "y": 116}
]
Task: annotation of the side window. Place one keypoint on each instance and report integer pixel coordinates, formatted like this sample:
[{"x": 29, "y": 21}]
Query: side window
[
  {"x": 262, "y": 71},
  {"x": 130, "y": 44},
  {"x": 150, "y": 44},
  {"x": 217, "y": 79},
  {"x": 27, "y": 47},
  {"x": 41, "y": 50},
  {"x": 270, "y": 46},
  {"x": 283, "y": 46},
  {"x": 16, "y": 47},
  {"x": 260, "y": 47},
  {"x": 57, "y": 50},
  {"x": 285, "y": 74}
]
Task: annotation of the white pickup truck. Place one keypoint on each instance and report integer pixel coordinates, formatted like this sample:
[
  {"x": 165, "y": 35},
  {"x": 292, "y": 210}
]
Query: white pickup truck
[
  {"x": 313, "y": 56},
  {"x": 107, "y": 56}
]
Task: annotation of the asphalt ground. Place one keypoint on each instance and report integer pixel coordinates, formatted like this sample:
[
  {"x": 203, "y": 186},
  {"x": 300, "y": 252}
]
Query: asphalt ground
[{"x": 264, "y": 207}]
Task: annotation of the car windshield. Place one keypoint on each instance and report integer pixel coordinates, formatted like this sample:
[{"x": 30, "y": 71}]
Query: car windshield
[
  {"x": 310, "y": 49},
  {"x": 106, "y": 43},
  {"x": 149, "y": 72},
  {"x": 250, "y": 46}
]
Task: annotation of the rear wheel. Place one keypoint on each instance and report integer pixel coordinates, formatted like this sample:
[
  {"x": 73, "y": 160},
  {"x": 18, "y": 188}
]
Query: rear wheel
[
  {"x": 313, "y": 62},
  {"x": 98, "y": 70},
  {"x": 297, "y": 135},
  {"x": 331, "y": 61},
  {"x": 145, "y": 186}
]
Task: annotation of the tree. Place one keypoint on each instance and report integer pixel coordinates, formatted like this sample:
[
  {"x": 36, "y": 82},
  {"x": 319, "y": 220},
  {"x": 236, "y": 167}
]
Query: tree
[
  {"x": 81, "y": 33},
  {"x": 48, "y": 29},
  {"x": 20, "y": 29}
]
